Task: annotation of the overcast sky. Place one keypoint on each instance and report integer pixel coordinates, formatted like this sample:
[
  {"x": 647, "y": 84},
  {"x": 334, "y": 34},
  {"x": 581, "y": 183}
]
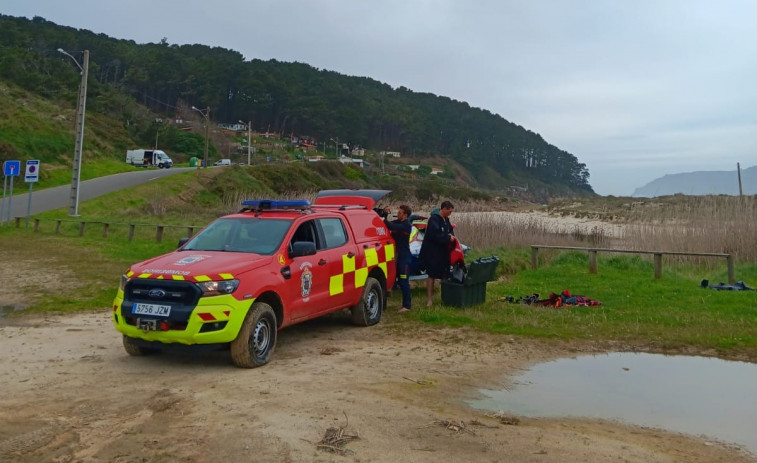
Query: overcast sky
[{"x": 635, "y": 89}]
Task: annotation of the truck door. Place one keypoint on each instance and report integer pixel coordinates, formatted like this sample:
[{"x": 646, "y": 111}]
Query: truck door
[
  {"x": 308, "y": 286},
  {"x": 338, "y": 256}
]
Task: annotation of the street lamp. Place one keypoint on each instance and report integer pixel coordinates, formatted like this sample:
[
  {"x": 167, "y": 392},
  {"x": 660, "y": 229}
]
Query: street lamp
[
  {"x": 205, "y": 114},
  {"x": 73, "y": 209},
  {"x": 249, "y": 139},
  {"x": 336, "y": 146}
]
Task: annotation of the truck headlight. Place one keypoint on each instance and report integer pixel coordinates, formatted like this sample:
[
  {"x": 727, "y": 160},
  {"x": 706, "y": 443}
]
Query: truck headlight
[
  {"x": 215, "y": 288},
  {"x": 122, "y": 284}
]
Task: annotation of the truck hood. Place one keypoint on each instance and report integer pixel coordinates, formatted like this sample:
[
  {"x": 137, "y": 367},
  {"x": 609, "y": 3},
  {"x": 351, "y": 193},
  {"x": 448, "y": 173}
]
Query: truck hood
[{"x": 198, "y": 265}]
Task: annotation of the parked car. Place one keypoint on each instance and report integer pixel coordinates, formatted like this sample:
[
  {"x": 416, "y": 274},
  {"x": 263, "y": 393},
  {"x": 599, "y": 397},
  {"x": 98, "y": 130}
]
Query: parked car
[{"x": 222, "y": 162}]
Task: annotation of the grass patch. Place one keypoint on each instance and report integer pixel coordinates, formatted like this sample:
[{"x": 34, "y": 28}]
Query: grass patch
[
  {"x": 59, "y": 273},
  {"x": 674, "y": 312}
]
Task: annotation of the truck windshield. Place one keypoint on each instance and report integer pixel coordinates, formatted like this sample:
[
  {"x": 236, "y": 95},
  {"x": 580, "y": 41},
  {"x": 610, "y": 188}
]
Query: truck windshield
[
  {"x": 162, "y": 156},
  {"x": 253, "y": 235}
]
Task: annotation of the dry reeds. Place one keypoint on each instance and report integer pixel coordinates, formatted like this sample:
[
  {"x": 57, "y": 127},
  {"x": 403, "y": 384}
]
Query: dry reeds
[
  {"x": 704, "y": 224},
  {"x": 722, "y": 224},
  {"x": 456, "y": 426},
  {"x": 699, "y": 225},
  {"x": 335, "y": 440},
  {"x": 517, "y": 229}
]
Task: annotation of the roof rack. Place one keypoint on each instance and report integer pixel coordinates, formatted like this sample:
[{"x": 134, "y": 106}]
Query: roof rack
[
  {"x": 259, "y": 205},
  {"x": 340, "y": 207}
]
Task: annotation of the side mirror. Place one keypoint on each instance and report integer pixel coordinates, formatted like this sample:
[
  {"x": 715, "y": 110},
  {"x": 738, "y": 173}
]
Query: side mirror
[
  {"x": 183, "y": 241},
  {"x": 302, "y": 248}
]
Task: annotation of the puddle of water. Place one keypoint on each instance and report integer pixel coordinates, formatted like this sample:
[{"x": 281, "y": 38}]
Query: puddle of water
[{"x": 694, "y": 395}]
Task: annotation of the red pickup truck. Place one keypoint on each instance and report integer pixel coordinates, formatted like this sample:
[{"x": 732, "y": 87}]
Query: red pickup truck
[{"x": 247, "y": 275}]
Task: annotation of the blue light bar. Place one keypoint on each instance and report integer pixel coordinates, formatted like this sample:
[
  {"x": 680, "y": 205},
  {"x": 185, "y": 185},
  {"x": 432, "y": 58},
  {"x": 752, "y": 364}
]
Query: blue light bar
[{"x": 276, "y": 203}]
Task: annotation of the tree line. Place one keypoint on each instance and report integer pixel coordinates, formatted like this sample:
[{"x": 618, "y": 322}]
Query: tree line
[{"x": 281, "y": 97}]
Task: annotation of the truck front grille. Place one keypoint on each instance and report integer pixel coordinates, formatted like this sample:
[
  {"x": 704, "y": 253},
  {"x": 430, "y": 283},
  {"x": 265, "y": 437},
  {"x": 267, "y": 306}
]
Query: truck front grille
[{"x": 182, "y": 296}]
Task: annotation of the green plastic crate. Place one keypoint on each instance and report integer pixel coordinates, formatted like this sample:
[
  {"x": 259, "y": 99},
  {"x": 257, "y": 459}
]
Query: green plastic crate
[
  {"x": 457, "y": 295},
  {"x": 472, "y": 290}
]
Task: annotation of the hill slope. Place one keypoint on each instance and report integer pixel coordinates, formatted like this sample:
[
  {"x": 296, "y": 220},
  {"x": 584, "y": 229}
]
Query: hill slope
[
  {"x": 701, "y": 183},
  {"x": 286, "y": 98}
]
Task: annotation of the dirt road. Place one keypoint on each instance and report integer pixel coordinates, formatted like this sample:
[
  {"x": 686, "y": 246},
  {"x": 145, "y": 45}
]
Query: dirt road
[{"x": 71, "y": 394}]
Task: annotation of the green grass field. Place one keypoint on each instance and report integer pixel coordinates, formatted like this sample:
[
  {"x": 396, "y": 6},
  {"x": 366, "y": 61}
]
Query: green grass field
[{"x": 668, "y": 313}]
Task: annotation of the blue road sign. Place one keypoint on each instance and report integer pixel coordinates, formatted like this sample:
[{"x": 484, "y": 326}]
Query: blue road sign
[
  {"x": 12, "y": 168},
  {"x": 32, "y": 171}
]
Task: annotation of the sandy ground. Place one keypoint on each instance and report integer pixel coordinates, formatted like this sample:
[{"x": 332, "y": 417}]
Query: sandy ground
[{"x": 394, "y": 393}]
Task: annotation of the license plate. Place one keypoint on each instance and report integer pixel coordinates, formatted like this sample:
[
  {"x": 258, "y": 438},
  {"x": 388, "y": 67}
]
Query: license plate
[{"x": 151, "y": 309}]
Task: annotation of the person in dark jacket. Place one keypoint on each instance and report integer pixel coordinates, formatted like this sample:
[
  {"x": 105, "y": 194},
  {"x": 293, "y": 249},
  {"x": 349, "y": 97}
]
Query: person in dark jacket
[
  {"x": 400, "y": 230},
  {"x": 434, "y": 256}
]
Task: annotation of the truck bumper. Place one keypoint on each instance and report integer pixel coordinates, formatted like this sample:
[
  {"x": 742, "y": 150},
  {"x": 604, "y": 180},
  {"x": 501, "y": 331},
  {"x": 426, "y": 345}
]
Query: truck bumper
[{"x": 214, "y": 320}]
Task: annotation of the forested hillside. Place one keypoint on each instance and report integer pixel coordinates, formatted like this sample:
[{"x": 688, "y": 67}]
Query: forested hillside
[{"x": 287, "y": 98}]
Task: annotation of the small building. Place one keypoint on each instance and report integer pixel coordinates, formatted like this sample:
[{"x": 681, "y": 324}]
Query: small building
[
  {"x": 351, "y": 161},
  {"x": 235, "y": 127}
]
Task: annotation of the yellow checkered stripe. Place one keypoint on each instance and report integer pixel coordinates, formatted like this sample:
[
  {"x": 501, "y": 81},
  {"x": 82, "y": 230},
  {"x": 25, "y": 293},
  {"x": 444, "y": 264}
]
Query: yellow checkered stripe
[
  {"x": 354, "y": 275},
  {"x": 174, "y": 277}
]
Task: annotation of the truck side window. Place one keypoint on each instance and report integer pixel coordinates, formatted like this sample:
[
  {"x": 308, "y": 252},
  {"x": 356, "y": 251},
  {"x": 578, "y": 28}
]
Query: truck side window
[
  {"x": 334, "y": 234},
  {"x": 305, "y": 232}
]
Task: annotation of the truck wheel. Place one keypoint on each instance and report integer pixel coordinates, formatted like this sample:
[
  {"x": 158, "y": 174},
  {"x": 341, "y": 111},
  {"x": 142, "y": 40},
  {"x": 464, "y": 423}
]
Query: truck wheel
[
  {"x": 256, "y": 340},
  {"x": 367, "y": 312},
  {"x": 133, "y": 348}
]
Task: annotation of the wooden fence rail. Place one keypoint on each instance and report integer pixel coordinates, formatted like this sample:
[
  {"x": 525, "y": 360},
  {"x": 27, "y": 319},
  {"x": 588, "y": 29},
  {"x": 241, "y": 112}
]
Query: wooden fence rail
[
  {"x": 159, "y": 229},
  {"x": 657, "y": 257}
]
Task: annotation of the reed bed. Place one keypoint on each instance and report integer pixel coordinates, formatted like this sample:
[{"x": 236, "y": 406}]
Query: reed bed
[
  {"x": 698, "y": 224},
  {"x": 711, "y": 224},
  {"x": 517, "y": 229},
  {"x": 736, "y": 236}
]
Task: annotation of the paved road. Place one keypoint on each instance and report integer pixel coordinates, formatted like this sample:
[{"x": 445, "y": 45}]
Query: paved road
[{"x": 54, "y": 198}]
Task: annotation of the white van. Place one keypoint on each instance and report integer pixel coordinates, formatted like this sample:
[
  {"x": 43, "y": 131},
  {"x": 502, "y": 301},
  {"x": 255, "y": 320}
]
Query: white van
[{"x": 222, "y": 162}]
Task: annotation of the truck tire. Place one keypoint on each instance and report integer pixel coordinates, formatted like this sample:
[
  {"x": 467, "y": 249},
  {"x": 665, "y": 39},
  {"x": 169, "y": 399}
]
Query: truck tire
[
  {"x": 368, "y": 310},
  {"x": 256, "y": 340},
  {"x": 132, "y": 347}
]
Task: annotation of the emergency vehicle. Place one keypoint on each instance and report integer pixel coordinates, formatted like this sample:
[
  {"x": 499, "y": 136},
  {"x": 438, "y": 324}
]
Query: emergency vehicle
[{"x": 247, "y": 275}]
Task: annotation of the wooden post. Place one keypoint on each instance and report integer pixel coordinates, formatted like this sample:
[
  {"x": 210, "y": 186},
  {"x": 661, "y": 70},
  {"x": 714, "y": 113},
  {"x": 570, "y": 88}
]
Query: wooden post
[
  {"x": 81, "y": 228},
  {"x": 658, "y": 265},
  {"x": 36, "y": 225},
  {"x": 190, "y": 231},
  {"x": 592, "y": 261},
  {"x": 131, "y": 231},
  {"x": 534, "y": 257},
  {"x": 18, "y": 222},
  {"x": 159, "y": 233},
  {"x": 105, "y": 229},
  {"x": 57, "y": 226},
  {"x": 731, "y": 275}
]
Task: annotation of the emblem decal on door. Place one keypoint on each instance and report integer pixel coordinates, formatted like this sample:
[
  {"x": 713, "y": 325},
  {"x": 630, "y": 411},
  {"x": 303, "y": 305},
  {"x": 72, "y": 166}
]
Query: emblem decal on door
[{"x": 306, "y": 281}]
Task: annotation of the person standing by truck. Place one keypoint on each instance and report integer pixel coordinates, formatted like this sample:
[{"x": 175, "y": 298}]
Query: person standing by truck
[
  {"x": 435, "y": 250},
  {"x": 400, "y": 230}
]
